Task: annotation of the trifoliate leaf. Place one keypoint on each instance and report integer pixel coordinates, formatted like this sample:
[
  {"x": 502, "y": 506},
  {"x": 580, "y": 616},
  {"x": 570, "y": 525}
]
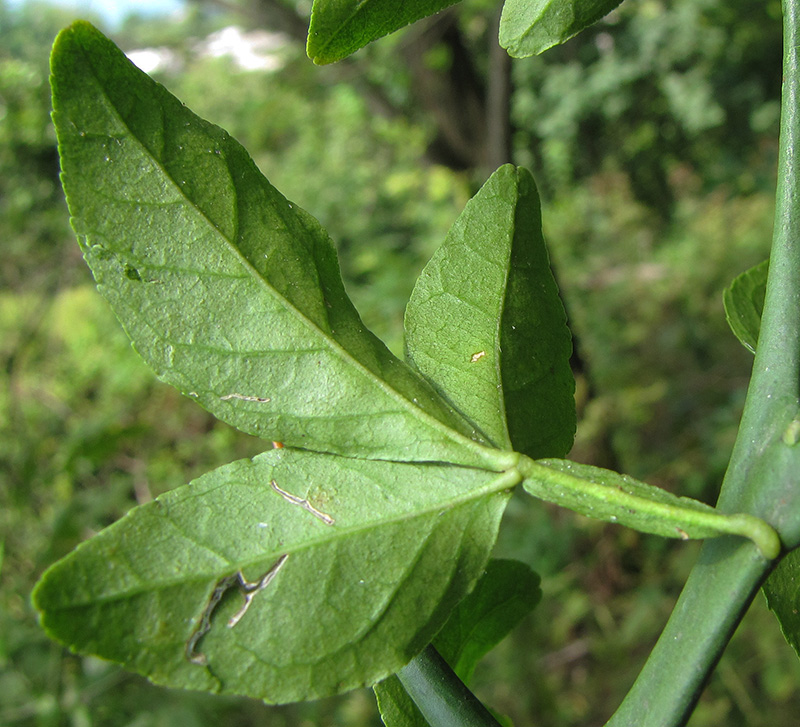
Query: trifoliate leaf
[{"x": 291, "y": 576}]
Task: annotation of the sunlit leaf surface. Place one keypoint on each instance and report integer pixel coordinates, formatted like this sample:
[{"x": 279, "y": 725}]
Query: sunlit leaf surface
[
  {"x": 229, "y": 292},
  {"x": 340, "y": 27},
  {"x": 530, "y": 27}
]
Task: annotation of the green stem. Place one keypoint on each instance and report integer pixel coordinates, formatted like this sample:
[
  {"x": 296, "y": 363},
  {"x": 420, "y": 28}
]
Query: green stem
[
  {"x": 772, "y": 398},
  {"x": 762, "y": 478},
  {"x": 718, "y": 592},
  {"x": 443, "y": 699}
]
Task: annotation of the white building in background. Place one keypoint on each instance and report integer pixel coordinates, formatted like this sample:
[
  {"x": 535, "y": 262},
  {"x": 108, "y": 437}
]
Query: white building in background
[
  {"x": 255, "y": 50},
  {"x": 154, "y": 60}
]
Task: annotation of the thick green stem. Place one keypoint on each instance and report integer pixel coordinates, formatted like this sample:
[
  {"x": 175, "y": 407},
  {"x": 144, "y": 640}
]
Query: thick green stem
[
  {"x": 718, "y": 592},
  {"x": 440, "y": 695},
  {"x": 762, "y": 478},
  {"x": 772, "y": 398}
]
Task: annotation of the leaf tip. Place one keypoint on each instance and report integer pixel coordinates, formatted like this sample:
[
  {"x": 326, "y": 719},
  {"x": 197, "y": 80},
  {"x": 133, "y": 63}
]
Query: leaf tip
[{"x": 315, "y": 53}]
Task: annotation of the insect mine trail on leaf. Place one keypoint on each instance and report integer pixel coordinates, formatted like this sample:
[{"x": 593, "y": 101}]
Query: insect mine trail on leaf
[
  {"x": 248, "y": 589},
  {"x": 251, "y": 588},
  {"x": 305, "y": 504},
  {"x": 244, "y": 397}
]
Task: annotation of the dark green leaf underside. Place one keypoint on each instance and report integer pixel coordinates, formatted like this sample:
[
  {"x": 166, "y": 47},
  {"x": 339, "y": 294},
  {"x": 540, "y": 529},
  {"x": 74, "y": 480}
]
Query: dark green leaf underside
[
  {"x": 486, "y": 326},
  {"x": 376, "y": 556},
  {"x": 506, "y": 593}
]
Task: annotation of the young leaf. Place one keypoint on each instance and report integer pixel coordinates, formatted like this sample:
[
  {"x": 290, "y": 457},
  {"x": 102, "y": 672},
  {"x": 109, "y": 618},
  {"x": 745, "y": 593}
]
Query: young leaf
[
  {"x": 606, "y": 495},
  {"x": 229, "y": 292},
  {"x": 340, "y": 27},
  {"x": 744, "y": 301},
  {"x": 329, "y": 578},
  {"x": 396, "y": 708},
  {"x": 504, "y": 595},
  {"x": 486, "y": 326},
  {"x": 782, "y": 590},
  {"x": 530, "y": 27}
]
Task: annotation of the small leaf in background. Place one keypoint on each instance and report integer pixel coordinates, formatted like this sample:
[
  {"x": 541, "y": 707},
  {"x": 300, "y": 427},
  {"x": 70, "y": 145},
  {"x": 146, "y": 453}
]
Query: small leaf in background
[
  {"x": 396, "y": 708},
  {"x": 340, "y": 27},
  {"x": 744, "y": 302},
  {"x": 606, "y": 495},
  {"x": 486, "y": 326},
  {"x": 530, "y": 27},
  {"x": 228, "y": 291},
  {"x": 506, "y": 593},
  {"x": 782, "y": 590},
  {"x": 288, "y": 577}
]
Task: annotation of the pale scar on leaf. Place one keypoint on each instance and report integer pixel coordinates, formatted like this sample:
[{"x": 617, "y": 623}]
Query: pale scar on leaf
[
  {"x": 248, "y": 589},
  {"x": 305, "y": 504},
  {"x": 244, "y": 397},
  {"x": 477, "y": 356}
]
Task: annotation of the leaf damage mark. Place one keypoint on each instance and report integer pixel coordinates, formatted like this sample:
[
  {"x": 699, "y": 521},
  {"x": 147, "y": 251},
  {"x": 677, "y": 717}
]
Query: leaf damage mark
[
  {"x": 477, "y": 356},
  {"x": 305, "y": 504},
  {"x": 792, "y": 434},
  {"x": 248, "y": 589},
  {"x": 244, "y": 397},
  {"x": 131, "y": 273},
  {"x": 192, "y": 654}
]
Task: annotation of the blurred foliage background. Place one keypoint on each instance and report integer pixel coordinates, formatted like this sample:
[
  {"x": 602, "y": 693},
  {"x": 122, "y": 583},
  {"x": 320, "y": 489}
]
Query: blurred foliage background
[{"x": 653, "y": 138}]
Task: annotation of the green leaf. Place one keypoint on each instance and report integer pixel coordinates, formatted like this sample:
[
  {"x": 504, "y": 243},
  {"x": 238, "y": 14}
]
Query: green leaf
[
  {"x": 353, "y": 566},
  {"x": 505, "y": 594},
  {"x": 776, "y": 473},
  {"x": 530, "y": 27},
  {"x": 397, "y": 709},
  {"x": 744, "y": 302},
  {"x": 782, "y": 590},
  {"x": 486, "y": 326},
  {"x": 228, "y": 291},
  {"x": 340, "y": 27},
  {"x": 606, "y": 495}
]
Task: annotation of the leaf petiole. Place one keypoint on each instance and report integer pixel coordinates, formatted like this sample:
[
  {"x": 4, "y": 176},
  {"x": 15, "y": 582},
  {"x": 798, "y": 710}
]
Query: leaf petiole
[{"x": 609, "y": 496}]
